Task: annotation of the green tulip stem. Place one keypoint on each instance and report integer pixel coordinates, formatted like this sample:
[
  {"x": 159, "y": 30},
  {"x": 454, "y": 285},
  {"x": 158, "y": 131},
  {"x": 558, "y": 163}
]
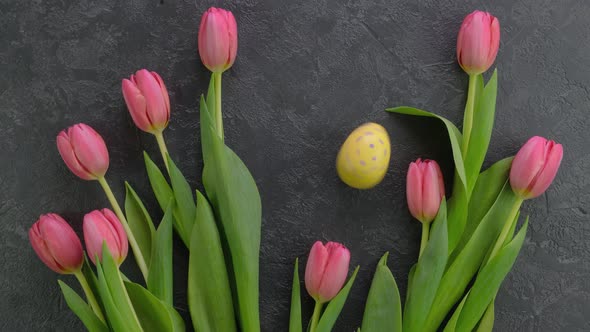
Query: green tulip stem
[
  {"x": 218, "y": 115},
  {"x": 507, "y": 225},
  {"x": 315, "y": 318},
  {"x": 468, "y": 117},
  {"x": 163, "y": 149},
  {"x": 89, "y": 295},
  {"x": 132, "y": 241},
  {"x": 425, "y": 234}
]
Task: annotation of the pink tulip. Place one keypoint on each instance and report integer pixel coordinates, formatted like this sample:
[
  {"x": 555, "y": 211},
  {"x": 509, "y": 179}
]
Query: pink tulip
[
  {"x": 218, "y": 39},
  {"x": 425, "y": 189},
  {"x": 147, "y": 100},
  {"x": 83, "y": 151},
  {"x": 478, "y": 42},
  {"x": 326, "y": 270},
  {"x": 56, "y": 244},
  {"x": 104, "y": 227},
  {"x": 534, "y": 167}
]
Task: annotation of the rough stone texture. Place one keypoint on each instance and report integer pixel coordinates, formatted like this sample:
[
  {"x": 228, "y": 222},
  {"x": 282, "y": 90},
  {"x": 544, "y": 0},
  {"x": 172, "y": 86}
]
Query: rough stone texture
[{"x": 307, "y": 73}]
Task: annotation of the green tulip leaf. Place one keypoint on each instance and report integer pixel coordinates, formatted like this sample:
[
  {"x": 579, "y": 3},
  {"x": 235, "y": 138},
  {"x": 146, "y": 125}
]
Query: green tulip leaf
[
  {"x": 140, "y": 222},
  {"x": 486, "y": 324},
  {"x": 488, "y": 282},
  {"x": 82, "y": 309},
  {"x": 154, "y": 315},
  {"x": 209, "y": 292},
  {"x": 383, "y": 310},
  {"x": 160, "y": 186},
  {"x": 118, "y": 322},
  {"x": 458, "y": 203},
  {"x": 487, "y": 188},
  {"x": 452, "y": 323},
  {"x": 483, "y": 123},
  {"x": 234, "y": 197},
  {"x": 185, "y": 202},
  {"x": 295, "y": 324},
  {"x": 335, "y": 306},
  {"x": 460, "y": 272},
  {"x": 161, "y": 269},
  {"x": 428, "y": 273}
]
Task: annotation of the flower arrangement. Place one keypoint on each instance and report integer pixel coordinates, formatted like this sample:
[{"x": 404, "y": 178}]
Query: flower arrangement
[{"x": 469, "y": 234}]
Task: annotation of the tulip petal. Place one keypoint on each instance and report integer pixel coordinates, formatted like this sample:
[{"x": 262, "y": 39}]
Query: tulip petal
[
  {"x": 526, "y": 164},
  {"x": 414, "y": 190},
  {"x": 64, "y": 146},
  {"x": 314, "y": 270},
  {"x": 136, "y": 105},
  {"x": 546, "y": 175},
  {"x": 335, "y": 272},
  {"x": 89, "y": 148}
]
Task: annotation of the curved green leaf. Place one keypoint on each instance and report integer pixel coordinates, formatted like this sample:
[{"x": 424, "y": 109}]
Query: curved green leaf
[
  {"x": 295, "y": 324},
  {"x": 383, "y": 310},
  {"x": 483, "y": 123},
  {"x": 209, "y": 292},
  {"x": 160, "y": 186},
  {"x": 452, "y": 323},
  {"x": 140, "y": 222},
  {"x": 161, "y": 269},
  {"x": 488, "y": 282},
  {"x": 154, "y": 315},
  {"x": 82, "y": 309},
  {"x": 334, "y": 307},
  {"x": 487, "y": 188},
  {"x": 469, "y": 259},
  {"x": 185, "y": 202},
  {"x": 454, "y": 136},
  {"x": 236, "y": 202},
  {"x": 486, "y": 324},
  {"x": 428, "y": 273}
]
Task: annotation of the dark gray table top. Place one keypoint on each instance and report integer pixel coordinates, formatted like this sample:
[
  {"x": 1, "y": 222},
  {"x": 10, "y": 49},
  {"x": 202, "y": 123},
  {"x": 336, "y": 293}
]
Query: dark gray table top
[{"x": 306, "y": 74}]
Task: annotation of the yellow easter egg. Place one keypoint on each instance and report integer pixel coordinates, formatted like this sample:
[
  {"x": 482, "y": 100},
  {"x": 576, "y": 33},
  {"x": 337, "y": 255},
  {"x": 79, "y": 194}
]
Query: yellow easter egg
[{"x": 364, "y": 157}]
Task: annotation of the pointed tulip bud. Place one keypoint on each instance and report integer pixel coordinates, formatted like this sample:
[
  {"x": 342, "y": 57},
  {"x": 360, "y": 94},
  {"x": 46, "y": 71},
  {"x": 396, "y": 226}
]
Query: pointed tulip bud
[
  {"x": 478, "y": 42},
  {"x": 218, "y": 39},
  {"x": 147, "y": 100},
  {"x": 534, "y": 167},
  {"x": 326, "y": 270},
  {"x": 84, "y": 151},
  {"x": 424, "y": 189},
  {"x": 104, "y": 226},
  {"x": 56, "y": 244}
]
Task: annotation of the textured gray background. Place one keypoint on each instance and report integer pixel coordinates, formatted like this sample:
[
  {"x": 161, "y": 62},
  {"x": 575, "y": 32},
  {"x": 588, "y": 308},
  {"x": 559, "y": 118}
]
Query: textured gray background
[{"x": 307, "y": 73}]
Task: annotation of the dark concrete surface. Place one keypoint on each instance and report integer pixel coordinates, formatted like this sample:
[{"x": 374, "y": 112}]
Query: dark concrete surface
[{"x": 307, "y": 73}]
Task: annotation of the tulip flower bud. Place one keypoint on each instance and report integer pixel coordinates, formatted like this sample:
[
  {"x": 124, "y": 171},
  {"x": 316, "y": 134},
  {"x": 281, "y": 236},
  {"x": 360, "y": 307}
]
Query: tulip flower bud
[
  {"x": 83, "y": 151},
  {"x": 56, "y": 244},
  {"x": 326, "y": 270},
  {"x": 147, "y": 100},
  {"x": 104, "y": 227},
  {"x": 534, "y": 167},
  {"x": 478, "y": 42},
  {"x": 218, "y": 39},
  {"x": 424, "y": 189}
]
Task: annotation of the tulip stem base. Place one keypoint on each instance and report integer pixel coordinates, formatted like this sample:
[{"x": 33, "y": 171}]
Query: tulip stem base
[
  {"x": 507, "y": 225},
  {"x": 218, "y": 114},
  {"x": 315, "y": 318},
  {"x": 425, "y": 235},
  {"x": 132, "y": 241},
  {"x": 89, "y": 295},
  {"x": 469, "y": 109},
  {"x": 163, "y": 149}
]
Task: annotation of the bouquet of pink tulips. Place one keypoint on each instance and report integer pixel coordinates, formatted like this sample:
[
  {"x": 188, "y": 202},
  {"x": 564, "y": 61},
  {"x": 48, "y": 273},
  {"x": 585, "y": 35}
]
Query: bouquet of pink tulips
[{"x": 469, "y": 241}]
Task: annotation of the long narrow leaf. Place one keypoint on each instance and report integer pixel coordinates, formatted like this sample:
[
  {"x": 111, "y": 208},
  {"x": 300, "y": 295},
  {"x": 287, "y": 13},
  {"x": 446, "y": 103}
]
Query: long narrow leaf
[
  {"x": 335, "y": 306},
  {"x": 185, "y": 202},
  {"x": 383, "y": 310},
  {"x": 236, "y": 202},
  {"x": 452, "y": 323},
  {"x": 140, "y": 222},
  {"x": 161, "y": 269},
  {"x": 295, "y": 324},
  {"x": 160, "y": 186},
  {"x": 486, "y": 324},
  {"x": 488, "y": 282},
  {"x": 117, "y": 322},
  {"x": 468, "y": 261},
  {"x": 428, "y": 273},
  {"x": 483, "y": 123},
  {"x": 82, "y": 309},
  {"x": 209, "y": 293},
  {"x": 154, "y": 315}
]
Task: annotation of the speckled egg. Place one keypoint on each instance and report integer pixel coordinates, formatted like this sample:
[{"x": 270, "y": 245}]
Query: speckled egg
[{"x": 364, "y": 157}]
